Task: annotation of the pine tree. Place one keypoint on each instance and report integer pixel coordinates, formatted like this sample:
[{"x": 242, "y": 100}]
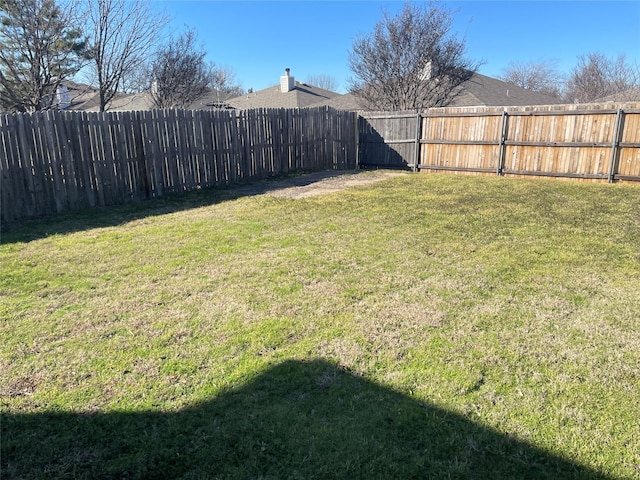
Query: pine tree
[{"x": 39, "y": 49}]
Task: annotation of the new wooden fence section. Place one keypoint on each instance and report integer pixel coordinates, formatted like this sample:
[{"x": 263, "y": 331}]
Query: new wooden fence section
[
  {"x": 592, "y": 142},
  {"x": 53, "y": 162}
]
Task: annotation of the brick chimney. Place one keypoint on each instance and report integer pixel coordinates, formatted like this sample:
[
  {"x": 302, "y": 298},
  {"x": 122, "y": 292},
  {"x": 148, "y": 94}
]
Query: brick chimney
[{"x": 287, "y": 82}]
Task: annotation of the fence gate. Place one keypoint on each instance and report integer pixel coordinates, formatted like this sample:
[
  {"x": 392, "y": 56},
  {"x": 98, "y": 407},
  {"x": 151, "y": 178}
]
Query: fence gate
[{"x": 389, "y": 140}]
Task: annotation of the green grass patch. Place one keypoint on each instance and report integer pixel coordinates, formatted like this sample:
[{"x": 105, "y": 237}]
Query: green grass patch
[{"x": 426, "y": 326}]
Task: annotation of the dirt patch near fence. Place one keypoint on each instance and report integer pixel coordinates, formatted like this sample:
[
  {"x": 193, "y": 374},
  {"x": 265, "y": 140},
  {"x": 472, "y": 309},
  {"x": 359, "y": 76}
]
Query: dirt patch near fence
[{"x": 317, "y": 183}]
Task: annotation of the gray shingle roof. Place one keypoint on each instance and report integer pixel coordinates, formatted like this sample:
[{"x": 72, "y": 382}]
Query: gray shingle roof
[
  {"x": 213, "y": 99},
  {"x": 344, "y": 102},
  {"x": 121, "y": 103},
  {"x": 481, "y": 90},
  {"x": 632, "y": 95},
  {"x": 86, "y": 98},
  {"x": 478, "y": 91},
  {"x": 302, "y": 95},
  {"x": 89, "y": 101}
]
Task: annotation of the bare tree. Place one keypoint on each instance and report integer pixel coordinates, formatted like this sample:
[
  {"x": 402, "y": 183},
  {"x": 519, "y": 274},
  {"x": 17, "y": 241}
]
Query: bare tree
[
  {"x": 597, "y": 76},
  {"x": 178, "y": 73},
  {"x": 324, "y": 81},
  {"x": 541, "y": 76},
  {"x": 410, "y": 61},
  {"x": 223, "y": 81},
  {"x": 122, "y": 33},
  {"x": 40, "y": 47}
]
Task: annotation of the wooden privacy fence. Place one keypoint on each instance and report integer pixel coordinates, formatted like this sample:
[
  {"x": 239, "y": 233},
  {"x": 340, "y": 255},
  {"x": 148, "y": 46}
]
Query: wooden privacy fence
[
  {"x": 54, "y": 161},
  {"x": 559, "y": 141}
]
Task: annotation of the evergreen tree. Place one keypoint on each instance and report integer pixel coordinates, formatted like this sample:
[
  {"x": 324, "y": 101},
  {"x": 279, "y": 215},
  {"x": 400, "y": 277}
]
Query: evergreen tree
[{"x": 39, "y": 49}]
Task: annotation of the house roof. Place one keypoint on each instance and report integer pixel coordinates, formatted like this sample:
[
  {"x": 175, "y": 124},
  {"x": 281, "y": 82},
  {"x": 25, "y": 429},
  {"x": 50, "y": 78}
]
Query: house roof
[
  {"x": 302, "y": 95},
  {"x": 478, "y": 91},
  {"x": 79, "y": 94},
  {"x": 632, "y": 95},
  {"x": 481, "y": 90},
  {"x": 121, "y": 102},
  {"x": 87, "y": 98},
  {"x": 213, "y": 99},
  {"x": 347, "y": 101},
  {"x": 89, "y": 101}
]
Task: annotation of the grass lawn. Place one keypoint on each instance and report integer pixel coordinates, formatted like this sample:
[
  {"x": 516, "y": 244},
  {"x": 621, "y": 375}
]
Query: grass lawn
[{"x": 426, "y": 326}]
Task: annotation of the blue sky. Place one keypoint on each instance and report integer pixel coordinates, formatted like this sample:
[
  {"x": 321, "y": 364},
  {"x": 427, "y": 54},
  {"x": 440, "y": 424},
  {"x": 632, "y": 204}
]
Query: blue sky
[{"x": 258, "y": 39}]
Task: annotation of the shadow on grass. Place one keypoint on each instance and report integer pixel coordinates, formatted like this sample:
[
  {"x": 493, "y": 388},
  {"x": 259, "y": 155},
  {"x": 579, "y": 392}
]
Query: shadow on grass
[
  {"x": 295, "y": 420},
  {"x": 33, "y": 229}
]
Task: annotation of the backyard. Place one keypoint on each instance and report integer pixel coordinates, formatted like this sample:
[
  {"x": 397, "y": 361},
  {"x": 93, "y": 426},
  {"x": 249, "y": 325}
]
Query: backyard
[{"x": 420, "y": 326}]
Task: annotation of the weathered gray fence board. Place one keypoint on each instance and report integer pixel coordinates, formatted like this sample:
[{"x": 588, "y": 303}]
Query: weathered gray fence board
[
  {"x": 12, "y": 178},
  {"x": 54, "y": 162}
]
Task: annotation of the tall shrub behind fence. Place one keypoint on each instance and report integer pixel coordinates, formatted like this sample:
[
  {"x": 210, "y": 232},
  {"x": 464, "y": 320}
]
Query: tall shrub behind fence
[{"x": 52, "y": 162}]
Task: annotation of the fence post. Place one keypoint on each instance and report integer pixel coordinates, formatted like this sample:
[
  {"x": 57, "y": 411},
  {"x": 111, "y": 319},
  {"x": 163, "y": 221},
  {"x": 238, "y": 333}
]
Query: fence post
[
  {"x": 614, "y": 145},
  {"x": 416, "y": 153},
  {"x": 357, "y": 128},
  {"x": 503, "y": 139}
]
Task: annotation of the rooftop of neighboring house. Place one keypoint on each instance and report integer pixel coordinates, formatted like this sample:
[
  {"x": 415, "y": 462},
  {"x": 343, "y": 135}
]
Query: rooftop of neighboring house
[
  {"x": 83, "y": 97},
  {"x": 288, "y": 94},
  {"x": 76, "y": 95},
  {"x": 481, "y": 90},
  {"x": 478, "y": 91},
  {"x": 632, "y": 95},
  {"x": 86, "y": 98},
  {"x": 348, "y": 101},
  {"x": 212, "y": 100},
  {"x": 122, "y": 102}
]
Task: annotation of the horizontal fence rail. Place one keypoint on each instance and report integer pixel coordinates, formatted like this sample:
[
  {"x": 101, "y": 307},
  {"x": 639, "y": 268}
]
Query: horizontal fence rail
[
  {"x": 593, "y": 143},
  {"x": 53, "y": 162}
]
